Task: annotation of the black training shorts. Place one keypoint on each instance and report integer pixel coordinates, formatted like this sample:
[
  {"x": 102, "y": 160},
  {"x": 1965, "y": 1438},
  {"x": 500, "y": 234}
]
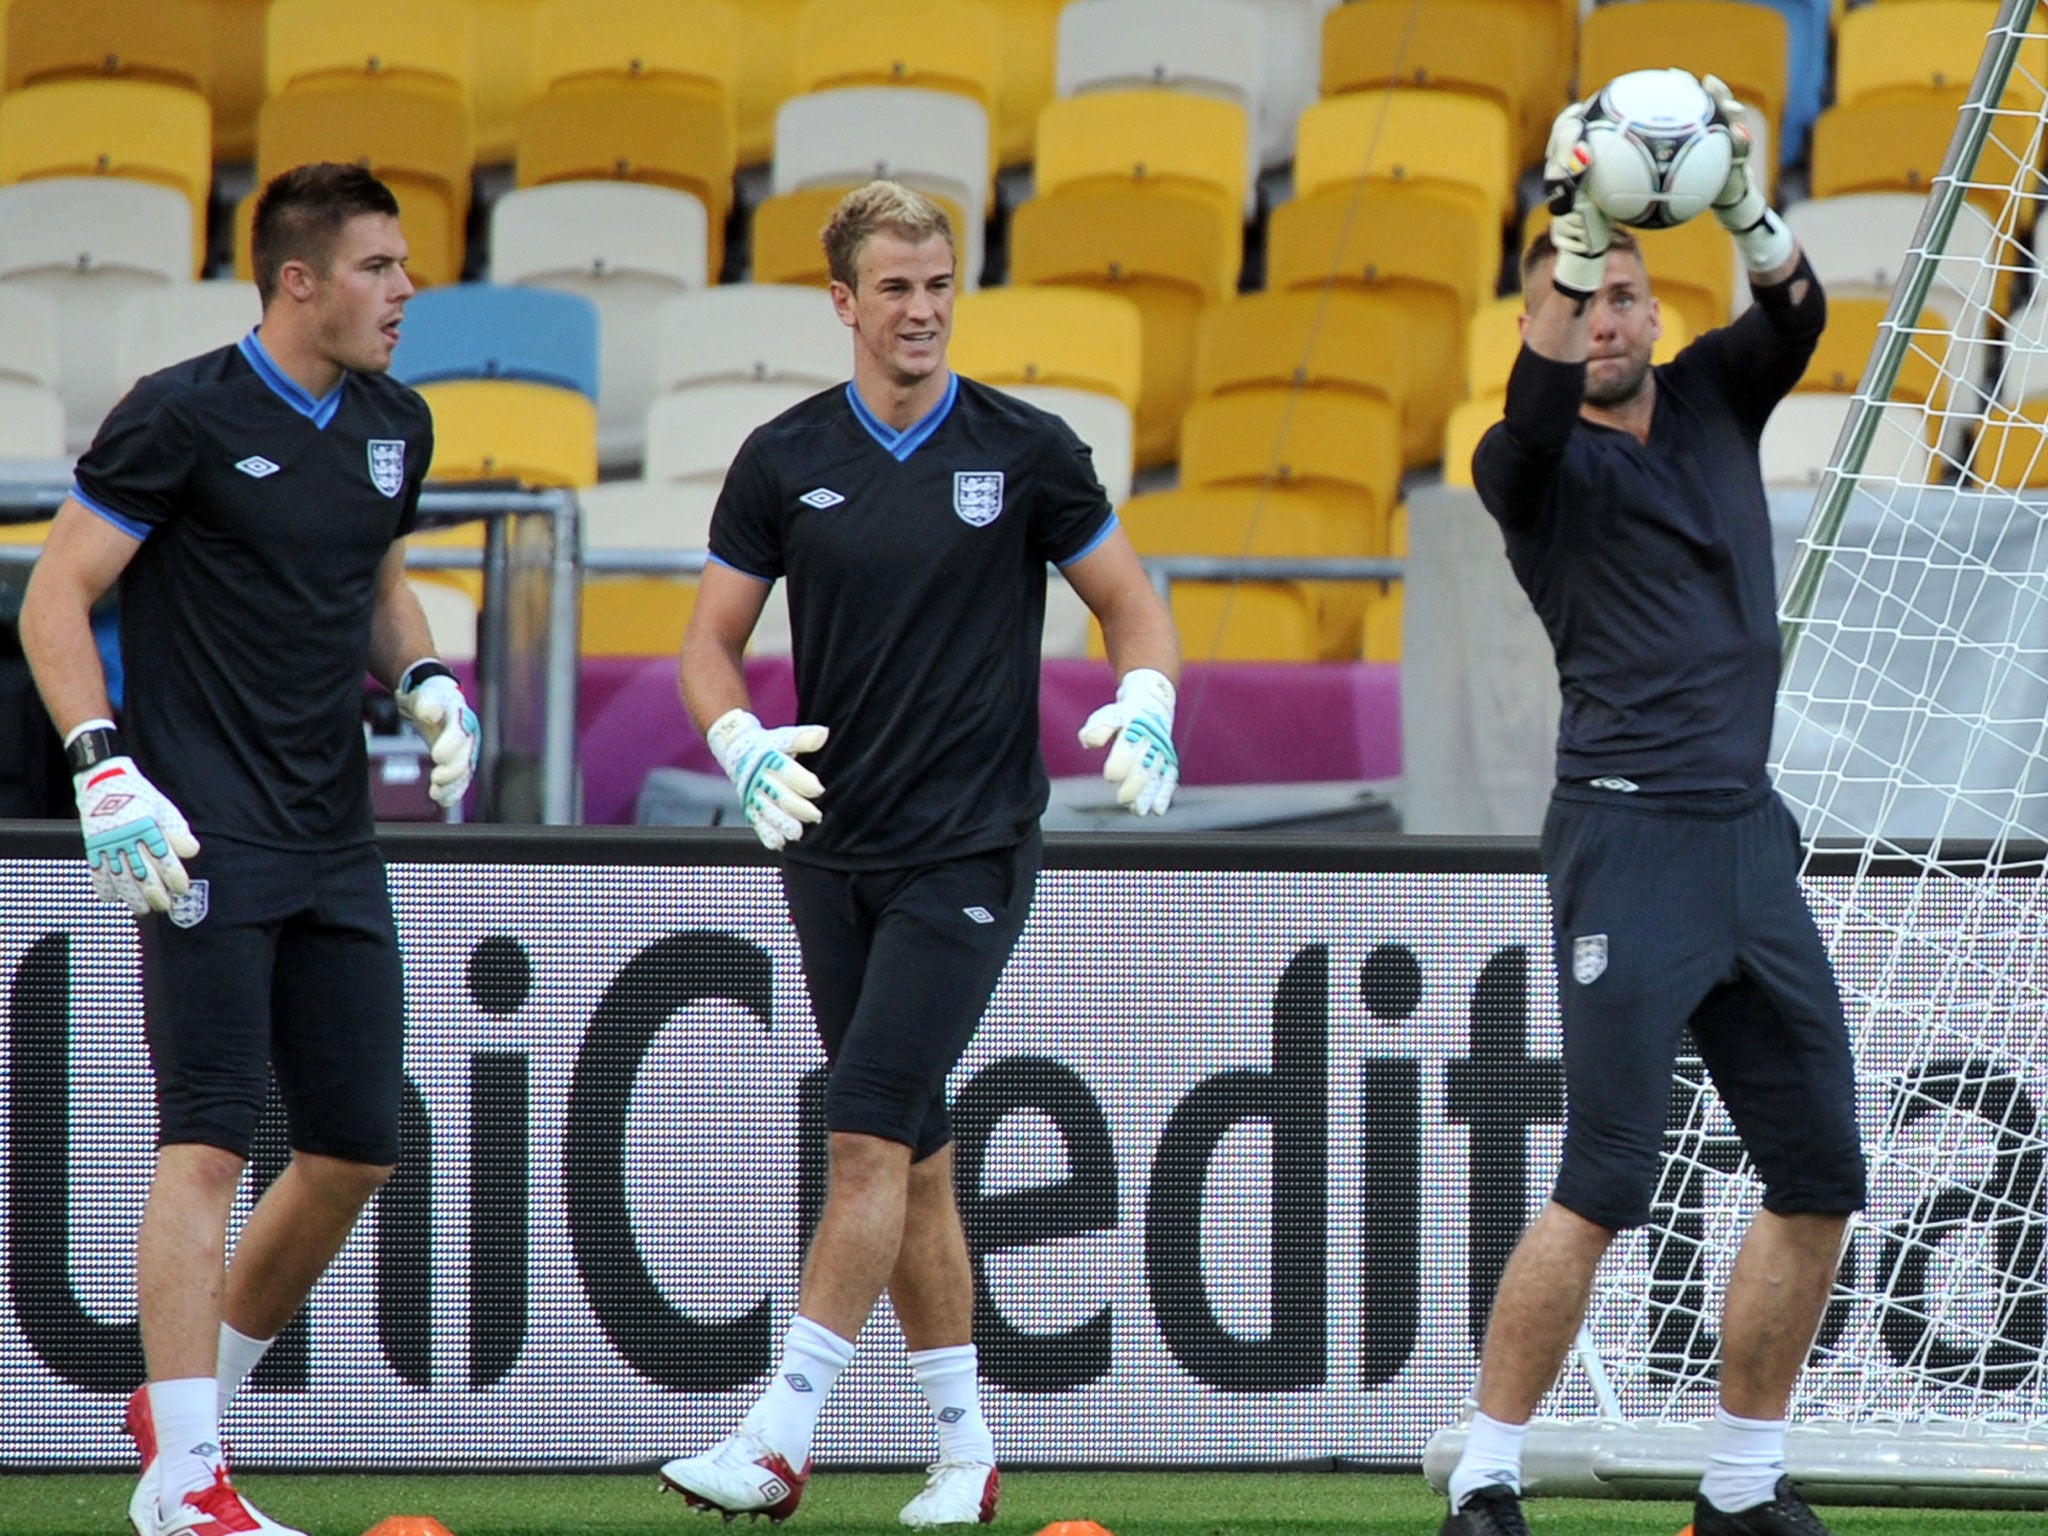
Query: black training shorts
[
  {"x": 1674, "y": 911},
  {"x": 900, "y": 964},
  {"x": 280, "y": 961}
]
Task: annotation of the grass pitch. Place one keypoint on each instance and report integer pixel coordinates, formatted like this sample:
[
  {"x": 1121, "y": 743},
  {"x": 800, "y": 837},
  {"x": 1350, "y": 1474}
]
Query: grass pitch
[{"x": 861, "y": 1504}]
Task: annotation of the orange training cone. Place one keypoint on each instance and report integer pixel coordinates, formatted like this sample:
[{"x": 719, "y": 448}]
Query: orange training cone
[
  {"x": 1685, "y": 1530},
  {"x": 408, "y": 1525},
  {"x": 1073, "y": 1528}
]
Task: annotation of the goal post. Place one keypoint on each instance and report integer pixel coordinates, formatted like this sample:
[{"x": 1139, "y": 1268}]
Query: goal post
[{"x": 1912, "y": 745}]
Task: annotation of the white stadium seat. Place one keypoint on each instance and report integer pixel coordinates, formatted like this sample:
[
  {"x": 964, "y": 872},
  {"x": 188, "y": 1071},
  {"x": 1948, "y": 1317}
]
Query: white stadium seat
[
  {"x": 750, "y": 332},
  {"x": 1101, "y": 421},
  {"x": 692, "y": 434},
  {"x": 162, "y": 326},
  {"x": 1800, "y": 437}
]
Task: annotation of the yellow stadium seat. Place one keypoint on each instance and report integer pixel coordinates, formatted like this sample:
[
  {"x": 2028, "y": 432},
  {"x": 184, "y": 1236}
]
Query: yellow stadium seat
[
  {"x": 1170, "y": 252},
  {"x": 138, "y": 130},
  {"x": 404, "y": 45},
  {"x": 1068, "y": 337},
  {"x": 1342, "y": 449},
  {"x": 1458, "y": 146},
  {"x": 1329, "y": 338},
  {"x": 687, "y": 46},
  {"x": 2007, "y": 454},
  {"x": 1845, "y": 347},
  {"x": 1492, "y": 48},
  {"x": 1411, "y": 248},
  {"x": 783, "y": 238},
  {"x": 1029, "y": 37},
  {"x": 501, "y": 429},
  {"x": 1257, "y": 619},
  {"x": 1744, "y": 44},
  {"x": 506, "y": 75},
  {"x": 901, "y": 42},
  {"x": 168, "y": 41},
  {"x": 1930, "y": 45},
  {"x": 1896, "y": 143},
  {"x": 1165, "y": 140},
  {"x": 767, "y": 72},
  {"x": 1467, "y": 424},
  {"x": 238, "y": 29},
  {"x": 419, "y": 143}
]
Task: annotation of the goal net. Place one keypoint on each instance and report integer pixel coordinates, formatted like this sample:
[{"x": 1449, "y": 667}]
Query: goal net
[{"x": 1912, "y": 743}]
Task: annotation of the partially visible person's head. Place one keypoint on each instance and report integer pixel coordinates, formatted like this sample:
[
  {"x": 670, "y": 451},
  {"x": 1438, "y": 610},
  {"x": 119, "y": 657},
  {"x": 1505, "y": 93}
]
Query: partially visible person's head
[
  {"x": 301, "y": 214},
  {"x": 880, "y": 208},
  {"x": 1623, "y": 319},
  {"x": 330, "y": 264}
]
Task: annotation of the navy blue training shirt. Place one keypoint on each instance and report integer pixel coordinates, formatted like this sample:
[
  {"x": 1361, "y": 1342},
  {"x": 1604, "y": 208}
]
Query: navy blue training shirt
[
  {"x": 916, "y": 567},
  {"x": 264, "y": 515},
  {"x": 1650, "y": 563}
]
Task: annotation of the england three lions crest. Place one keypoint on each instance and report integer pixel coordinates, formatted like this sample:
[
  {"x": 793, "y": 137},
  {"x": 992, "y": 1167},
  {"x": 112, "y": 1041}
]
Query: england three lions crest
[
  {"x": 978, "y": 496},
  {"x": 387, "y": 464}
]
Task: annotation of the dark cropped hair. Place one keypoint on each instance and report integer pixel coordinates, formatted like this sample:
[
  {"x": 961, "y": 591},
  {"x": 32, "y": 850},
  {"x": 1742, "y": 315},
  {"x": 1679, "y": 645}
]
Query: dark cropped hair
[{"x": 301, "y": 214}]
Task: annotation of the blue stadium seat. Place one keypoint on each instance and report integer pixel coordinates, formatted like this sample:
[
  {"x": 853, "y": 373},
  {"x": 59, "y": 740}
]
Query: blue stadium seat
[{"x": 484, "y": 331}]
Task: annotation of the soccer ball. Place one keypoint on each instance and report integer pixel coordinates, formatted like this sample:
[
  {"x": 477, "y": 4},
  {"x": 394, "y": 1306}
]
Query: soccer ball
[{"x": 1659, "y": 148}]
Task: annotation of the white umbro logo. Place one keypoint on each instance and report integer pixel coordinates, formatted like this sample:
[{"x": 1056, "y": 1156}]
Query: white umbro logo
[
  {"x": 979, "y": 914},
  {"x": 256, "y": 467},
  {"x": 821, "y": 498}
]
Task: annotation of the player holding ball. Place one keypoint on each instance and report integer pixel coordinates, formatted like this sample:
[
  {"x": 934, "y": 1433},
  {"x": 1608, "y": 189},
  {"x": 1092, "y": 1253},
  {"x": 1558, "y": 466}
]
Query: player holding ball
[{"x": 1631, "y": 501}]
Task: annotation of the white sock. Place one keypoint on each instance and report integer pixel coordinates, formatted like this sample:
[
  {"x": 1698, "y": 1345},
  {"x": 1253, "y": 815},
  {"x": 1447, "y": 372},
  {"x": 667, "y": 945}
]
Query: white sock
[
  {"x": 186, "y": 1417},
  {"x": 1493, "y": 1454},
  {"x": 1745, "y": 1459},
  {"x": 237, "y": 1358},
  {"x": 951, "y": 1382},
  {"x": 787, "y": 1413}
]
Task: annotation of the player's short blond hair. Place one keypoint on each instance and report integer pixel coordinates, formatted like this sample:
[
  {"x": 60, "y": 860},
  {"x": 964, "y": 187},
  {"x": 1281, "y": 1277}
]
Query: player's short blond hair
[
  {"x": 880, "y": 207},
  {"x": 1543, "y": 249}
]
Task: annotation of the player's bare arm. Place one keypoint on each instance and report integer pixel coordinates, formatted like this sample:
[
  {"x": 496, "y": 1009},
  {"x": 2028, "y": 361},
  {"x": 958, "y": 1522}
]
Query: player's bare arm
[
  {"x": 728, "y": 606},
  {"x": 1137, "y": 630},
  {"x": 82, "y": 558},
  {"x": 399, "y": 635}
]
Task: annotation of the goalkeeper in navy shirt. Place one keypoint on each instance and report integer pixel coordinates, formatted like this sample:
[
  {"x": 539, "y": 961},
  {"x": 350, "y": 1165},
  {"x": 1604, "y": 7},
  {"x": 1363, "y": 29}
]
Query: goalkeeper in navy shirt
[
  {"x": 913, "y": 514},
  {"x": 1631, "y": 501},
  {"x": 252, "y": 503}
]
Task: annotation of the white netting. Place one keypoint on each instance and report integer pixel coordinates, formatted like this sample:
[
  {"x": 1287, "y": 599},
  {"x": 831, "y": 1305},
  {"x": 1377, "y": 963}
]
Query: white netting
[{"x": 1914, "y": 710}]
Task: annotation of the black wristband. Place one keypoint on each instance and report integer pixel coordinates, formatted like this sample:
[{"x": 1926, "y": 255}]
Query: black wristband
[
  {"x": 420, "y": 671},
  {"x": 88, "y": 749}
]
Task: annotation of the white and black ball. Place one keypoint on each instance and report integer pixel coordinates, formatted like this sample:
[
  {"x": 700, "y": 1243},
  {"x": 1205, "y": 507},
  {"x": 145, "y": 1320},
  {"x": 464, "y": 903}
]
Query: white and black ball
[{"x": 1660, "y": 151}]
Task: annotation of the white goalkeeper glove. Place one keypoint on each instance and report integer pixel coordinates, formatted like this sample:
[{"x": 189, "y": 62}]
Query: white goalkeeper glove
[
  {"x": 1761, "y": 236},
  {"x": 135, "y": 839},
  {"x": 1142, "y": 764},
  {"x": 776, "y": 790},
  {"x": 432, "y": 700},
  {"x": 1579, "y": 230}
]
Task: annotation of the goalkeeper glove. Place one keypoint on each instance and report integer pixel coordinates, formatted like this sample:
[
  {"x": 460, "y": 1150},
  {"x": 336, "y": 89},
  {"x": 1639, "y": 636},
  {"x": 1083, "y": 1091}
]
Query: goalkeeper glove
[
  {"x": 1143, "y": 765},
  {"x": 1579, "y": 230},
  {"x": 432, "y": 700},
  {"x": 135, "y": 839},
  {"x": 776, "y": 790},
  {"x": 1760, "y": 234}
]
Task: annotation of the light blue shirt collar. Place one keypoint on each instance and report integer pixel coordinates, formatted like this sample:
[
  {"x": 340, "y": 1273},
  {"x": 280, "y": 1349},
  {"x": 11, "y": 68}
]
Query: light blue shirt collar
[
  {"x": 319, "y": 412},
  {"x": 901, "y": 445}
]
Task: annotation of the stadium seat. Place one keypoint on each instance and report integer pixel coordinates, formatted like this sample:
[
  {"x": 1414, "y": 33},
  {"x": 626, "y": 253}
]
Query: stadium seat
[
  {"x": 935, "y": 141},
  {"x": 1451, "y": 145},
  {"x": 450, "y": 611},
  {"x": 642, "y": 93},
  {"x": 85, "y": 244},
  {"x": 487, "y": 331},
  {"x": 1208, "y": 47},
  {"x": 626, "y": 248},
  {"x": 161, "y": 326},
  {"x": 31, "y": 421},
  {"x": 509, "y": 429},
  {"x": 641, "y": 615},
  {"x": 1170, "y": 252},
  {"x": 419, "y": 143},
  {"x": 900, "y": 42},
  {"x": 1497, "y": 49},
  {"x": 168, "y": 41},
  {"x": 1745, "y": 44},
  {"x": 1858, "y": 243},
  {"x": 1028, "y": 40},
  {"x": 1467, "y": 423},
  {"x": 1145, "y": 140},
  {"x": 1413, "y": 249},
  {"x": 1799, "y": 440},
  {"x": 134, "y": 130},
  {"x": 1343, "y": 449},
  {"x": 1067, "y": 337},
  {"x": 693, "y": 434},
  {"x": 1845, "y": 348},
  {"x": 1101, "y": 421},
  {"x": 1928, "y": 46},
  {"x": 401, "y": 45},
  {"x": 750, "y": 333},
  {"x": 31, "y": 410},
  {"x": 506, "y": 76},
  {"x": 1335, "y": 338},
  {"x": 767, "y": 75},
  {"x": 784, "y": 235},
  {"x": 1896, "y": 143},
  {"x": 2008, "y": 451},
  {"x": 1247, "y": 620},
  {"x": 1292, "y": 45}
]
